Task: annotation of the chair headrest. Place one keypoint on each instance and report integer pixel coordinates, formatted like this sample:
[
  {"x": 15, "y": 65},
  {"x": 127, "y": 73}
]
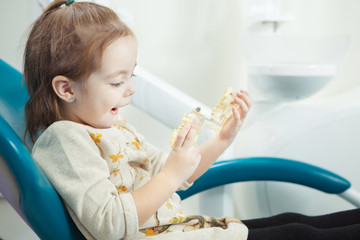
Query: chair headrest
[{"x": 13, "y": 96}]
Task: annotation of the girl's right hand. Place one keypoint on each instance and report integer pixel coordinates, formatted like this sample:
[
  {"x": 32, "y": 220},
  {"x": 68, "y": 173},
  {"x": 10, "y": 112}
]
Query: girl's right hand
[{"x": 183, "y": 159}]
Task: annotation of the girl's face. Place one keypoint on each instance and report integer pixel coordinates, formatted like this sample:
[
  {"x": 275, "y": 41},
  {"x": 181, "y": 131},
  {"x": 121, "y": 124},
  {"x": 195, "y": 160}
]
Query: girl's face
[{"x": 98, "y": 98}]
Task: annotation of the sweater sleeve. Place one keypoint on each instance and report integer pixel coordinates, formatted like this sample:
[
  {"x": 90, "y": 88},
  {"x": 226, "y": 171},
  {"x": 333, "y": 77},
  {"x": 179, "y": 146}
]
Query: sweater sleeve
[{"x": 73, "y": 164}]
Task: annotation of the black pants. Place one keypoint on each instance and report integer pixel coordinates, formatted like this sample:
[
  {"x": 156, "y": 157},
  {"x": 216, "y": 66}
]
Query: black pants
[{"x": 292, "y": 226}]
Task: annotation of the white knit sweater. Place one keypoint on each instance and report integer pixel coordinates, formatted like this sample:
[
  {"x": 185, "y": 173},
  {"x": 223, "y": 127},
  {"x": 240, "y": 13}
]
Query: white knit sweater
[{"x": 95, "y": 170}]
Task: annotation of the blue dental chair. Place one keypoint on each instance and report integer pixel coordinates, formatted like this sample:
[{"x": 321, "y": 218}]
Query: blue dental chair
[{"x": 29, "y": 192}]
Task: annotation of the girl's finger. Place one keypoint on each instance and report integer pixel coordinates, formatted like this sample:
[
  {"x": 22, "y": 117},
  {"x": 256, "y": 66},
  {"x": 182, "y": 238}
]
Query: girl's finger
[
  {"x": 179, "y": 141},
  {"x": 242, "y": 105},
  {"x": 236, "y": 114},
  {"x": 192, "y": 133},
  {"x": 245, "y": 96}
]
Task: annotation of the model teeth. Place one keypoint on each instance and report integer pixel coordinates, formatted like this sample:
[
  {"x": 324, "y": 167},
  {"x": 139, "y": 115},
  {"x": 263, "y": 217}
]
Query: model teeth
[{"x": 220, "y": 113}]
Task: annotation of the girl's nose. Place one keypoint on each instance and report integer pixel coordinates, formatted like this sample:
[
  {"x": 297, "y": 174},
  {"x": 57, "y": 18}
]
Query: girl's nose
[{"x": 131, "y": 89}]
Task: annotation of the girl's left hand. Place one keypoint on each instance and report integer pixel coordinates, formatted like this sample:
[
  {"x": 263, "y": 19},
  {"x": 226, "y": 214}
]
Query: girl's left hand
[{"x": 233, "y": 124}]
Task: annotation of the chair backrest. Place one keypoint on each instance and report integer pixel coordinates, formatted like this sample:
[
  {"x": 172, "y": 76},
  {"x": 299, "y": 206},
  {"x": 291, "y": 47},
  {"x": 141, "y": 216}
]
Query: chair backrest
[{"x": 22, "y": 182}]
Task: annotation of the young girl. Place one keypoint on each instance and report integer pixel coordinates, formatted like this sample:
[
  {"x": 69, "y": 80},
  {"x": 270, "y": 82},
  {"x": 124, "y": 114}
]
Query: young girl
[{"x": 79, "y": 60}]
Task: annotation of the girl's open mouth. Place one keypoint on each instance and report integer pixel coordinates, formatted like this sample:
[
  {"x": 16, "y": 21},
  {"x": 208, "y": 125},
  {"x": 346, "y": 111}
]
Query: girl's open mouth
[{"x": 114, "y": 110}]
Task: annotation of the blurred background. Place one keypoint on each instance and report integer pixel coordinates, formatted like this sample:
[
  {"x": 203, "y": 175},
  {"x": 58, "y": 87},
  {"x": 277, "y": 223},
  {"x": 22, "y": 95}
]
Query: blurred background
[
  {"x": 197, "y": 45},
  {"x": 202, "y": 47}
]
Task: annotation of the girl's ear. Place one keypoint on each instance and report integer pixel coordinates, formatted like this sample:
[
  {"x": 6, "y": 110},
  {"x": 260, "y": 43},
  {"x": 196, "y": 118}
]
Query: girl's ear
[{"x": 64, "y": 88}]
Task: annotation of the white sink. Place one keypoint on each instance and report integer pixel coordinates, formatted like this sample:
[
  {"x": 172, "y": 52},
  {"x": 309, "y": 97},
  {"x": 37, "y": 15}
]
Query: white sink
[
  {"x": 292, "y": 67},
  {"x": 287, "y": 82}
]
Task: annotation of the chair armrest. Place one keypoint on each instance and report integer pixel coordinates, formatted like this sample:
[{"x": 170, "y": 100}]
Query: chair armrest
[{"x": 267, "y": 169}]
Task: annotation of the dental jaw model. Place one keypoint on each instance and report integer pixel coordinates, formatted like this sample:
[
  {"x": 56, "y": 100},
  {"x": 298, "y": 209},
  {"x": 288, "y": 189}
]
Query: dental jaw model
[{"x": 220, "y": 113}]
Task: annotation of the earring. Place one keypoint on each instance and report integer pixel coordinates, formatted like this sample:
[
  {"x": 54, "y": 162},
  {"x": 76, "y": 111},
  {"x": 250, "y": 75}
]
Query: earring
[{"x": 71, "y": 100}]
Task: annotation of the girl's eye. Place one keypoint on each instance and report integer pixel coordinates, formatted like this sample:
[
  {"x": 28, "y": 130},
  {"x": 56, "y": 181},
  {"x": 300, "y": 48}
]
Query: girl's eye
[
  {"x": 117, "y": 84},
  {"x": 133, "y": 75}
]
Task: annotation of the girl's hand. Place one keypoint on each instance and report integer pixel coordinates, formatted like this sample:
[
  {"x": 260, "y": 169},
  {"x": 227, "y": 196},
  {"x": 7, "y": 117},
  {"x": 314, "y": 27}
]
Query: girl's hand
[
  {"x": 183, "y": 159},
  {"x": 233, "y": 124}
]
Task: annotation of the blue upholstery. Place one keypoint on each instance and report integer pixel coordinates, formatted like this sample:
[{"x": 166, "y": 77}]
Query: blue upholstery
[
  {"x": 42, "y": 207},
  {"x": 269, "y": 169},
  {"x": 39, "y": 201},
  {"x": 13, "y": 96}
]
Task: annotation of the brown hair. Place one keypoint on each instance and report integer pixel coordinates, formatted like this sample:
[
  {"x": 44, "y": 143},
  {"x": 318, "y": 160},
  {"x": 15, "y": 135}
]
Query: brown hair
[{"x": 68, "y": 41}]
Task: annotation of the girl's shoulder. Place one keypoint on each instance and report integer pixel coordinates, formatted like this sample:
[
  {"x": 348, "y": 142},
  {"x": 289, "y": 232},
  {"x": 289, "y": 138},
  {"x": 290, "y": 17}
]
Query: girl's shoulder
[
  {"x": 67, "y": 131},
  {"x": 62, "y": 136},
  {"x": 64, "y": 127},
  {"x": 61, "y": 131}
]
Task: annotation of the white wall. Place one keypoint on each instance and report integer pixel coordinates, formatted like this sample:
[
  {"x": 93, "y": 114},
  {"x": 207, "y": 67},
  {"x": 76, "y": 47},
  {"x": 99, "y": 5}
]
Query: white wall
[
  {"x": 15, "y": 18},
  {"x": 191, "y": 44},
  {"x": 331, "y": 17},
  {"x": 196, "y": 45}
]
